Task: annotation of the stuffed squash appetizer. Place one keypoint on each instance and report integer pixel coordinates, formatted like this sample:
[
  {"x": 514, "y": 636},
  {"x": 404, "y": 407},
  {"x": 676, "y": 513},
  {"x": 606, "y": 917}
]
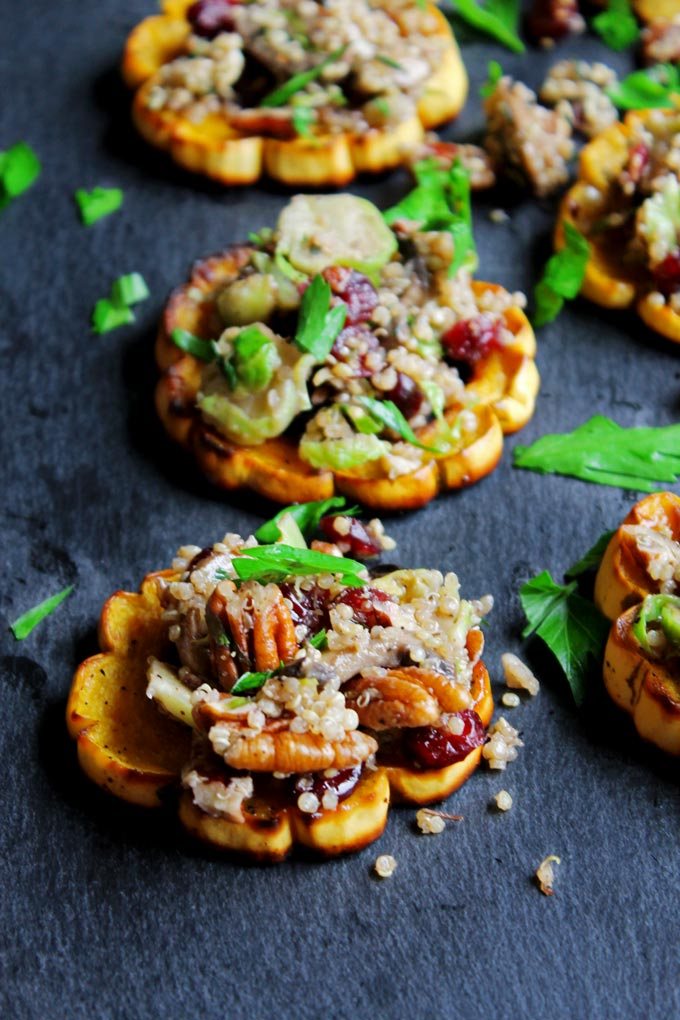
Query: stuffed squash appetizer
[
  {"x": 285, "y": 689},
  {"x": 307, "y": 92},
  {"x": 627, "y": 203},
  {"x": 339, "y": 353}
]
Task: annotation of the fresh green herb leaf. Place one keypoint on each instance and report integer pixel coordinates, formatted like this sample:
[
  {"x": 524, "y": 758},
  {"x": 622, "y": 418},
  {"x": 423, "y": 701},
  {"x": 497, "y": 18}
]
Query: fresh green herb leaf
[
  {"x": 617, "y": 26},
  {"x": 562, "y": 277},
  {"x": 249, "y": 683},
  {"x": 434, "y": 395},
  {"x": 23, "y": 626},
  {"x": 663, "y": 610},
  {"x": 305, "y": 515},
  {"x": 319, "y": 324},
  {"x": 498, "y": 18},
  {"x": 441, "y": 201},
  {"x": 592, "y": 559},
  {"x": 288, "y": 270},
  {"x": 572, "y": 628},
  {"x": 275, "y": 563},
  {"x": 319, "y": 640},
  {"x": 129, "y": 290},
  {"x": 303, "y": 118},
  {"x": 19, "y": 169},
  {"x": 96, "y": 204},
  {"x": 493, "y": 76},
  {"x": 389, "y": 61},
  {"x": 390, "y": 417},
  {"x": 652, "y": 88},
  {"x": 281, "y": 95},
  {"x": 204, "y": 350},
  {"x": 261, "y": 238},
  {"x": 108, "y": 315},
  {"x": 603, "y": 452}
]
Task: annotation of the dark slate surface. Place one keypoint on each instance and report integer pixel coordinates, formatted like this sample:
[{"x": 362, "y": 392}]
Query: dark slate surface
[{"x": 109, "y": 913}]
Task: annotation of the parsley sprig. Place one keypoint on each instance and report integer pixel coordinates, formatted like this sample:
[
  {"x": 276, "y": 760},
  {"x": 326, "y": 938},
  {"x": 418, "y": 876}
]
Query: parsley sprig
[
  {"x": 603, "y": 452},
  {"x": 562, "y": 277},
  {"x": 305, "y": 515},
  {"x": 27, "y": 622},
  {"x": 497, "y": 18},
  {"x": 653, "y": 88},
  {"x": 275, "y": 563},
  {"x": 441, "y": 201},
  {"x": 19, "y": 169},
  {"x": 94, "y": 205},
  {"x": 281, "y": 95},
  {"x": 617, "y": 26},
  {"x": 570, "y": 625},
  {"x": 318, "y": 323}
]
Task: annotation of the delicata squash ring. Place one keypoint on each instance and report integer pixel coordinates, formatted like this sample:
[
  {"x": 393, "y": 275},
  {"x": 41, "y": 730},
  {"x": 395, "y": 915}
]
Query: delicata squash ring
[
  {"x": 642, "y": 668},
  {"x": 345, "y": 358},
  {"x": 626, "y": 201},
  {"x": 236, "y": 90},
  {"x": 288, "y": 701},
  {"x": 643, "y": 556}
]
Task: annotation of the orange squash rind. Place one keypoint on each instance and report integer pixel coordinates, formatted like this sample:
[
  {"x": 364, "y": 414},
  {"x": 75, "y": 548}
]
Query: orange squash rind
[
  {"x": 622, "y": 580},
  {"x": 132, "y": 750},
  {"x": 647, "y": 689},
  {"x": 608, "y": 282},
  {"x": 216, "y": 149},
  {"x": 503, "y": 390}
]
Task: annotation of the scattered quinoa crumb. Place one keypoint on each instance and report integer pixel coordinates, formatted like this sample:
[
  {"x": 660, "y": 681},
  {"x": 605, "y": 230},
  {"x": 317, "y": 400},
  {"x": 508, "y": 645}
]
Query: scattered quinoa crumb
[
  {"x": 510, "y": 700},
  {"x": 503, "y": 800},
  {"x": 433, "y": 822},
  {"x": 430, "y": 823},
  {"x": 499, "y": 216},
  {"x": 502, "y": 744},
  {"x": 385, "y": 866},
  {"x": 518, "y": 675},
  {"x": 545, "y": 875}
]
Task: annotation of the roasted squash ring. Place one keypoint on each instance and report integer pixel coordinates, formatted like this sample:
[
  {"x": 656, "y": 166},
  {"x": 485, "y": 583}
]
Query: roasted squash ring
[
  {"x": 218, "y": 150},
  {"x": 648, "y": 689},
  {"x": 608, "y": 280},
  {"x": 623, "y": 579},
  {"x": 656, "y": 10},
  {"x": 503, "y": 387}
]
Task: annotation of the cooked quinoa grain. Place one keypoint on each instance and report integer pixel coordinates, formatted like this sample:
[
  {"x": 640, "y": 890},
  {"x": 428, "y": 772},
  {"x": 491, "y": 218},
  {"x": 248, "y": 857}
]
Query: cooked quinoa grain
[
  {"x": 429, "y": 822},
  {"x": 510, "y": 700},
  {"x": 385, "y": 866},
  {"x": 502, "y": 745},
  {"x": 503, "y": 800},
  {"x": 545, "y": 874},
  {"x": 518, "y": 675}
]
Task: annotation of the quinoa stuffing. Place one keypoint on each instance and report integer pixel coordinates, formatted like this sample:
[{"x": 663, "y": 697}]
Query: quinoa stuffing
[
  {"x": 525, "y": 140},
  {"x": 578, "y": 92},
  {"x": 502, "y": 744},
  {"x": 365, "y": 63}
]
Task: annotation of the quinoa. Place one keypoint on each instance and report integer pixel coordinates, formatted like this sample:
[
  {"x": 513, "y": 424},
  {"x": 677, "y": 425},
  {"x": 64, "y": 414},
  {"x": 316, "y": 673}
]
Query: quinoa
[
  {"x": 545, "y": 874},
  {"x": 502, "y": 745},
  {"x": 503, "y": 800},
  {"x": 661, "y": 41},
  {"x": 526, "y": 140},
  {"x": 382, "y": 53},
  {"x": 518, "y": 676},
  {"x": 385, "y": 866},
  {"x": 577, "y": 91}
]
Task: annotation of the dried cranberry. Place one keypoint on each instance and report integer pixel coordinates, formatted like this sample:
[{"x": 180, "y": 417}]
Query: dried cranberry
[
  {"x": 352, "y": 345},
  {"x": 355, "y": 289},
  {"x": 434, "y": 748},
  {"x": 553, "y": 19},
  {"x": 407, "y": 395},
  {"x": 210, "y": 17},
  {"x": 308, "y": 608},
  {"x": 366, "y": 605},
  {"x": 356, "y": 541},
  {"x": 470, "y": 340},
  {"x": 341, "y": 784},
  {"x": 667, "y": 274}
]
